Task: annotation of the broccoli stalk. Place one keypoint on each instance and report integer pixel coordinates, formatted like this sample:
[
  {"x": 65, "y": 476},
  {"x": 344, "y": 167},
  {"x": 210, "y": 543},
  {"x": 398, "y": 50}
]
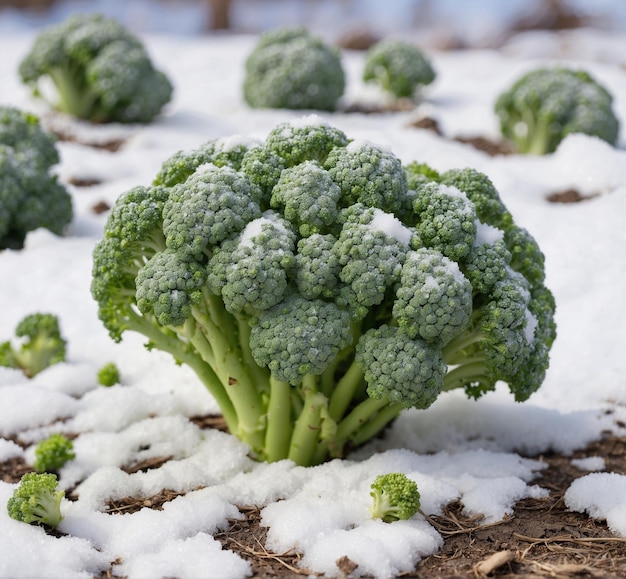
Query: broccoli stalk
[
  {"x": 36, "y": 500},
  {"x": 315, "y": 295}
]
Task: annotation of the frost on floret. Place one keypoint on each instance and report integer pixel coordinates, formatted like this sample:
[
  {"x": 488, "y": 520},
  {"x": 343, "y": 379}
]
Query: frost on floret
[
  {"x": 250, "y": 271},
  {"x": 370, "y": 257},
  {"x": 434, "y": 299},
  {"x": 209, "y": 207},
  {"x": 409, "y": 372},
  {"x": 316, "y": 268},
  {"x": 308, "y": 197},
  {"x": 369, "y": 174},
  {"x": 292, "y": 69},
  {"x": 446, "y": 219},
  {"x": 169, "y": 285},
  {"x": 307, "y": 139},
  {"x": 299, "y": 337}
]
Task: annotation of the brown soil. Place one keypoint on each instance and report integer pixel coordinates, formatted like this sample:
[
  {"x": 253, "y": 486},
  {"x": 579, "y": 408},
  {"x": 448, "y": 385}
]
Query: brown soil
[
  {"x": 541, "y": 538},
  {"x": 568, "y": 196}
]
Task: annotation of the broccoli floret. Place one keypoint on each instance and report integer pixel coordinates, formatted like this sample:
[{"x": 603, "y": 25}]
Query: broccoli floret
[
  {"x": 405, "y": 371},
  {"x": 290, "y": 68},
  {"x": 315, "y": 295},
  {"x": 395, "y": 497},
  {"x": 434, "y": 299},
  {"x": 109, "y": 374},
  {"x": 41, "y": 345},
  {"x": 53, "y": 452},
  {"x": 545, "y": 105},
  {"x": 308, "y": 198},
  {"x": 398, "y": 67},
  {"x": 446, "y": 219},
  {"x": 368, "y": 174},
  {"x": 298, "y": 337},
  {"x": 37, "y": 500},
  {"x": 211, "y": 206},
  {"x": 370, "y": 250},
  {"x": 100, "y": 70},
  {"x": 316, "y": 267},
  {"x": 30, "y": 195}
]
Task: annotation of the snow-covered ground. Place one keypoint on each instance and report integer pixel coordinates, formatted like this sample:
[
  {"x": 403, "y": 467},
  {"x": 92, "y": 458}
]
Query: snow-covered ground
[{"x": 457, "y": 449}]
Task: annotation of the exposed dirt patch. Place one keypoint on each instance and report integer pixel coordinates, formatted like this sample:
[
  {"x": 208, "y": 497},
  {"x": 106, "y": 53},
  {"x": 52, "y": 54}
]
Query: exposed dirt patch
[
  {"x": 111, "y": 144},
  {"x": 568, "y": 196},
  {"x": 84, "y": 181}
]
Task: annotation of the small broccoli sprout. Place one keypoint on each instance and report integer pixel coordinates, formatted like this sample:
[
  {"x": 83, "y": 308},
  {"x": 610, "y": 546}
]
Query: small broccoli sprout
[
  {"x": 290, "y": 68},
  {"x": 53, "y": 452},
  {"x": 30, "y": 195},
  {"x": 109, "y": 375},
  {"x": 398, "y": 67},
  {"x": 395, "y": 497},
  {"x": 36, "y": 500},
  {"x": 545, "y": 105},
  {"x": 42, "y": 345},
  {"x": 101, "y": 72}
]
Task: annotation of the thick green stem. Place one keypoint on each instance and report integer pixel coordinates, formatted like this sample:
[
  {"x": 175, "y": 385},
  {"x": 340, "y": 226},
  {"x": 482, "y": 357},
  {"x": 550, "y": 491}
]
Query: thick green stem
[
  {"x": 458, "y": 377},
  {"x": 279, "y": 427},
  {"x": 344, "y": 391},
  {"x": 372, "y": 427},
  {"x": 74, "y": 96},
  {"x": 307, "y": 428}
]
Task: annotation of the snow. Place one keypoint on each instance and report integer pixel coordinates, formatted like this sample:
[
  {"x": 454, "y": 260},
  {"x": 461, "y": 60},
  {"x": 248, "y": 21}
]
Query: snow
[{"x": 457, "y": 450}]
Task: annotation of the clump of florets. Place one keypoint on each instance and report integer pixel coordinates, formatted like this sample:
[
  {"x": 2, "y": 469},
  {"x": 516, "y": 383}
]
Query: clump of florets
[
  {"x": 108, "y": 375},
  {"x": 37, "y": 500},
  {"x": 318, "y": 287},
  {"x": 398, "y": 67},
  {"x": 545, "y": 105},
  {"x": 40, "y": 345},
  {"x": 290, "y": 68},
  {"x": 30, "y": 194},
  {"x": 101, "y": 72},
  {"x": 53, "y": 452},
  {"x": 395, "y": 497}
]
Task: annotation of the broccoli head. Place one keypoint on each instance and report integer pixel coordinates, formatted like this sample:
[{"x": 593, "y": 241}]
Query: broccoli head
[
  {"x": 41, "y": 345},
  {"x": 36, "y": 500},
  {"x": 30, "y": 195},
  {"x": 53, "y": 452},
  {"x": 545, "y": 105},
  {"x": 109, "y": 374},
  {"x": 398, "y": 67},
  {"x": 317, "y": 287},
  {"x": 101, "y": 72},
  {"x": 290, "y": 68},
  {"x": 395, "y": 497}
]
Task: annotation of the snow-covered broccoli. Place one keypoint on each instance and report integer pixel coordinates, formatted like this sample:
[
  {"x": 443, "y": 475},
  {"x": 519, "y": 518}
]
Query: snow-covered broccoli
[
  {"x": 289, "y": 68},
  {"x": 395, "y": 497},
  {"x": 398, "y": 67},
  {"x": 545, "y": 105},
  {"x": 30, "y": 195},
  {"x": 36, "y": 500},
  {"x": 53, "y": 452},
  {"x": 101, "y": 71},
  {"x": 318, "y": 287},
  {"x": 41, "y": 345}
]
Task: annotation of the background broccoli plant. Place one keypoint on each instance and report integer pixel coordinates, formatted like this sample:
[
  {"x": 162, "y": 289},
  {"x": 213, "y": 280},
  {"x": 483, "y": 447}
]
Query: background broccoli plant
[
  {"x": 318, "y": 287},
  {"x": 545, "y": 105},
  {"x": 101, "y": 72},
  {"x": 30, "y": 194},
  {"x": 289, "y": 68},
  {"x": 398, "y": 67}
]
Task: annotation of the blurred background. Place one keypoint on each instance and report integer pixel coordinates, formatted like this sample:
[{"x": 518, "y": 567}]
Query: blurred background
[{"x": 352, "y": 23}]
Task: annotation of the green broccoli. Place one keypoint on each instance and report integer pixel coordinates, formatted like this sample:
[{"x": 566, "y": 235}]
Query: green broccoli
[
  {"x": 41, "y": 347},
  {"x": 317, "y": 287},
  {"x": 109, "y": 374},
  {"x": 395, "y": 497},
  {"x": 30, "y": 196},
  {"x": 101, "y": 72},
  {"x": 545, "y": 105},
  {"x": 398, "y": 67},
  {"x": 37, "y": 500},
  {"x": 53, "y": 452},
  {"x": 289, "y": 68}
]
